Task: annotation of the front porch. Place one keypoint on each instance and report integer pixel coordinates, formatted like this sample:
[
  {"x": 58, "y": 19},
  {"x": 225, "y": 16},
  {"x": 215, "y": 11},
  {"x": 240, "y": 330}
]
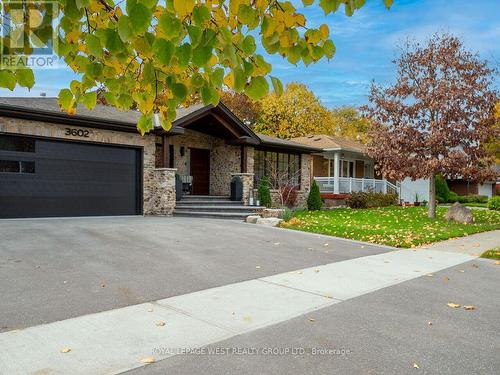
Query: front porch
[
  {"x": 341, "y": 172},
  {"x": 348, "y": 185}
]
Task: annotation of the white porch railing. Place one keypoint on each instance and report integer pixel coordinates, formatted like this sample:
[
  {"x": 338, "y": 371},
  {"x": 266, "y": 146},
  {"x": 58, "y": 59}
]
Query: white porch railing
[{"x": 349, "y": 185}]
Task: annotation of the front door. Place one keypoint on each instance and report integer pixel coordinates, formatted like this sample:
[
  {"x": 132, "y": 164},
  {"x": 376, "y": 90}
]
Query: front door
[{"x": 200, "y": 170}]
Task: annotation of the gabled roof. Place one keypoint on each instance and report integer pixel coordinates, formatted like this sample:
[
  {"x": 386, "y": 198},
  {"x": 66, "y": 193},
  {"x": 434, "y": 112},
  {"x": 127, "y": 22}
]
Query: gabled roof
[
  {"x": 108, "y": 117},
  {"x": 285, "y": 143},
  {"x": 330, "y": 142}
]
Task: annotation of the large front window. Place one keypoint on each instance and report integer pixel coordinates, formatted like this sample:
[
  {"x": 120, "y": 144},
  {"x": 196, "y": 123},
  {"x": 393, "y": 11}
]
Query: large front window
[{"x": 280, "y": 167}]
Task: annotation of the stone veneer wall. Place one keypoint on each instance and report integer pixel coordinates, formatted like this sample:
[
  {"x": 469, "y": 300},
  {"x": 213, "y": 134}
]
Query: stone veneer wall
[
  {"x": 247, "y": 181},
  {"x": 163, "y": 191},
  {"x": 151, "y": 184},
  {"x": 224, "y": 159}
]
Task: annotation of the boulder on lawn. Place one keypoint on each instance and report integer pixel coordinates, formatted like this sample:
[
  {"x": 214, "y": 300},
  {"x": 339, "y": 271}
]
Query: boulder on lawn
[
  {"x": 269, "y": 221},
  {"x": 459, "y": 213},
  {"x": 272, "y": 212},
  {"x": 252, "y": 219}
]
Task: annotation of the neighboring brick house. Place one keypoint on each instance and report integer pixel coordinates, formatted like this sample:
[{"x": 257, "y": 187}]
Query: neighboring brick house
[
  {"x": 343, "y": 167},
  {"x": 96, "y": 163}
]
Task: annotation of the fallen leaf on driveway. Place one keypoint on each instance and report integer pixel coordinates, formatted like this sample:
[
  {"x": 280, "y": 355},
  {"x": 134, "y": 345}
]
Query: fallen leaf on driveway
[
  {"x": 415, "y": 366},
  {"x": 257, "y": 267},
  {"x": 276, "y": 243},
  {"x": 316, "y": 270},
  {"x": 429, "y": 274},
  {"x": 429, "y": 323},
  {"x": 497, "y": 262},
  {"x": 363, "y": 246},
  {"x": 475, "y": 265},
  {"x": 312, "y": 319},
  {"x": 476, "y": 245},
  {"x": 453, "y": 305},
  {"x": 461, "y": 271},
  {"x": 148, "y": 360},
  {"x": 446, "y": 278},
  {"x": 469, "y": 307},
  {"x": 150, "y": 310},
  {"x": 65, "y": 350},
  {"x": 103, "y": 285},
  {"x": 160, "y": 323}
]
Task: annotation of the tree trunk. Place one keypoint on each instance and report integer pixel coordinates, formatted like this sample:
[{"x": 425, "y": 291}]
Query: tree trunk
[{"x": 432, "y": 197}]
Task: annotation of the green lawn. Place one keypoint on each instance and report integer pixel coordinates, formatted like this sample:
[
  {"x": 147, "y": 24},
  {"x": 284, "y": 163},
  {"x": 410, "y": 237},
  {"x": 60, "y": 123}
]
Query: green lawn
[
  {"x": 492, "y": 254},
  {"x": 394, "y": 226}
]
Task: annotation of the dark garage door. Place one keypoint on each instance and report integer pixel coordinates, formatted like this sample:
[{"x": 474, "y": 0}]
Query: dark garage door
[{"x": 43, "y": 178}]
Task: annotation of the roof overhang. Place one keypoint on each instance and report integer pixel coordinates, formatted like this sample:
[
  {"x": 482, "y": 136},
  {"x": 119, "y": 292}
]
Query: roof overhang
[{"x": 222, "y": 120}]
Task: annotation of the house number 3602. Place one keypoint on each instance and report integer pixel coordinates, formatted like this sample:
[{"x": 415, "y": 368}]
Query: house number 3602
[{"x": 77, "y": 132}]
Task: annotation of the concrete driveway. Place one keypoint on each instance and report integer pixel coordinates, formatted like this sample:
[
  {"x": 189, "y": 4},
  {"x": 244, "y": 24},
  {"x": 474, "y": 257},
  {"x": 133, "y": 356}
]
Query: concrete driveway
[
  {"x": 347, "y": 307},
  {"x": 54, "y": 269}
]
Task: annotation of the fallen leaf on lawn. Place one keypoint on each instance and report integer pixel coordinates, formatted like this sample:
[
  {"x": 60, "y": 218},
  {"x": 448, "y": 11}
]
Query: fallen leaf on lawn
[
  {"x": 257, "y": 267},
  {"x": 469, "y": 307},
  {"x": 453, "y": 305},
  {"x": 148, "y": 360},
  {"x": 415, "y": 366},
  {"x": 160, "y": 323},
  {"x": 65, "y": 350}
]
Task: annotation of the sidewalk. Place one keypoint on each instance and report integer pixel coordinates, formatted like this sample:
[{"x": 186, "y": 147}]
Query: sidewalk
[
  {"x": 118, "y": 340},
  {"x": 474, "y": 244}
]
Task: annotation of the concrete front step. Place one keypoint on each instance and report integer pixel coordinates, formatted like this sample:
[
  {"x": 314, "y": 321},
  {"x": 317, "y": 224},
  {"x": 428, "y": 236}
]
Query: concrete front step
[
  {"x": 215, "y": 208},
  {"x": 200, "y": 202},
  {"x": 205, "y": 197},
  {"x": 214, "y": 215}
]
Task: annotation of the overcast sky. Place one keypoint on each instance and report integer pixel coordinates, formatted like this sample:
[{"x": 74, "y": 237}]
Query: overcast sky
[{"x": 366, "y": 44}]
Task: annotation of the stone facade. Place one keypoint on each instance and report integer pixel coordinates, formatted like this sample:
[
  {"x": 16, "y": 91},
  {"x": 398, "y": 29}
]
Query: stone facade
[
  {"x": 151, "y": 184},
  {"x": 162, "y": 198},
  {"x": 224, "y": 159},
  {"x": 247, "y": 180}
]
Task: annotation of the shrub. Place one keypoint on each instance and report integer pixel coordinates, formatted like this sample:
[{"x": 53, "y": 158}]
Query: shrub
[
  {"x": 371, "y": 199},
  {"x": 287, "y": 214},
  {"x": 264, "y": 193},
  {"x": 494, "y": 203},
  {"x": 442, "y": 189},
  {"x": 473, "y": 199},
  {"x": 289, "y": 194},
  {"x": 453, "y": 197},
  {"x": 314, "y": 201}
]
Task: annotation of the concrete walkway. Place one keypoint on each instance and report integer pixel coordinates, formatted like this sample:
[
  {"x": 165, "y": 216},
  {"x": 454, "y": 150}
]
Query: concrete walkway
[
  {"x": 474, "y": 244},
  {"x": 118, "y": 340}
]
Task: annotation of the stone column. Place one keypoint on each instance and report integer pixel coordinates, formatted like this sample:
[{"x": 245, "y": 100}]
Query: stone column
[
  {"x": 162, "y": 192},
  {"x": 247, "y": 180}
]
